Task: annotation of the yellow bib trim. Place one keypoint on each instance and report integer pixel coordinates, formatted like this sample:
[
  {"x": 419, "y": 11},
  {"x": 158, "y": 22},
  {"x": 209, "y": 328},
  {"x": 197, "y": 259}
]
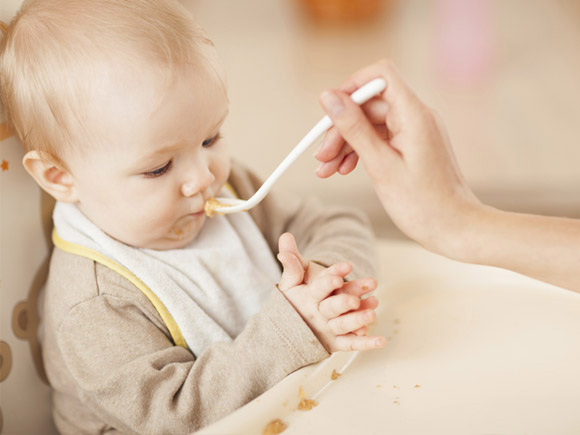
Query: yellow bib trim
[
  {"x": 230, "y": 189},
  {"x": 126, "y": 273}
]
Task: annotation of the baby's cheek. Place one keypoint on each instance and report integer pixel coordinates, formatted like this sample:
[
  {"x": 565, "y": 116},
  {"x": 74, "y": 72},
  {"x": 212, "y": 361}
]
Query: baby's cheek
[{"x": 223, "y": 167}]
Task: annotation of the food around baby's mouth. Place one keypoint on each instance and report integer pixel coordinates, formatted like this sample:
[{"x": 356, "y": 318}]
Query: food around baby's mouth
[{"x": 211, "y": 205}]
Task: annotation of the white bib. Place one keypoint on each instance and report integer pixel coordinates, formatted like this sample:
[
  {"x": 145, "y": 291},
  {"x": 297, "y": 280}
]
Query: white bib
[{"x": 211, "y": 287}]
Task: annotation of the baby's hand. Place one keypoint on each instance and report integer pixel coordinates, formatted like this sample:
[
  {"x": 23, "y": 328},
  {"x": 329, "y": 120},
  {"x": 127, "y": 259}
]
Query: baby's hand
[{"x": 332, "y": 308}]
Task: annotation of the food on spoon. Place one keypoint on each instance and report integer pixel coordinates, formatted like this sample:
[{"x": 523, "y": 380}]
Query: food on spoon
[{"x": 211, "y": 205}]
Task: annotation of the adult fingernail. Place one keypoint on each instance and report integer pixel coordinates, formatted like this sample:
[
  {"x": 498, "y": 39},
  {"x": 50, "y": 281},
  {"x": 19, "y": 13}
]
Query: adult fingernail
[{"x": 331, "y": 102}]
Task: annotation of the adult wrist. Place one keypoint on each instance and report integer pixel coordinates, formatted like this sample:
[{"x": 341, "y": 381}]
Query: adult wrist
[{"x": 474, "y": 234}]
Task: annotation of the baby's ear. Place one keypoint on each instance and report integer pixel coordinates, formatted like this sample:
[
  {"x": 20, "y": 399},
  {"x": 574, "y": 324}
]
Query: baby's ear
[{"x": 50, "y": 176}]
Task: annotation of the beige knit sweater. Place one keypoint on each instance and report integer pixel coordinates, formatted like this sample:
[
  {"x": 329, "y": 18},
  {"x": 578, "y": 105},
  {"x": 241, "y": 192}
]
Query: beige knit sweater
[{"x": 111, "y": 361}]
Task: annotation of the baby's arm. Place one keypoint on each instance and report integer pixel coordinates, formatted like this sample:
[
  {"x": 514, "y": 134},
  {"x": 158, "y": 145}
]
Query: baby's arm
[
  {"x": 331, "y": 307},
  {"x": 119, "y": 360}
]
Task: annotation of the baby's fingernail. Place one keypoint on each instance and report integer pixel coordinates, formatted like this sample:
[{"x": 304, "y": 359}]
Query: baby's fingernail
[
  {"x": 332, "y": 103},
  {"x": 380, "y": 342}
]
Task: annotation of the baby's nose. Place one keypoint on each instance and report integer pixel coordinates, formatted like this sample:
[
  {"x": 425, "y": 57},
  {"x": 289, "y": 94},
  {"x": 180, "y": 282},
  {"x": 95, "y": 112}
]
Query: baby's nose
[{"x": 199, "y": 181}]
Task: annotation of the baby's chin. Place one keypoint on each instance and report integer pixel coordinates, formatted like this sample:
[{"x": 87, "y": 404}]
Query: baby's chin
[
  {"x": 173, "y": 239},
  {"x": 177, "y": 236},
  {"x": 170, "y": 241}
]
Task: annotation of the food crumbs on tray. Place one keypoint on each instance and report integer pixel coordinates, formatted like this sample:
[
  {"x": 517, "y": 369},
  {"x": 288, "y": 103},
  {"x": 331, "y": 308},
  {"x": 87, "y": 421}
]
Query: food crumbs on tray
[
  {"x": 395, "y": 331},
  {"x": 210, "y": 206},
  {"x": 379, "y": 386},
  {"x": 417, "y": 386},
  {"x": 335, "y": 375},
  {"x": 305, "y": 404},
  {"x": 397, "y": 321},
  {"x": 396, "y": 402},
  {"x": 274, "y": 427}
]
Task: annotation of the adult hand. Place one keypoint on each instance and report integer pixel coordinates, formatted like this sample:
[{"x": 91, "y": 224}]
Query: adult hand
[{"x": 405, "y": 150}]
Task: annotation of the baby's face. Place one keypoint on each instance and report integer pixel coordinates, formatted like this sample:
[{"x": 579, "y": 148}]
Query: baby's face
[{"x": 162, "y": 160}]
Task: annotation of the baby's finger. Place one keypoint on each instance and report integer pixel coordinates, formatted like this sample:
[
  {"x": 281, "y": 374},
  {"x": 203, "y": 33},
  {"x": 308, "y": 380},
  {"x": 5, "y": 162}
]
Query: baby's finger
[
  {"x": 324, "y": 285},
  {"x": 334, "y": 306},
  {"x": 287, "y": 243},
  {"x": 341, "y": 269},
  {"x": 361, "y": 331},
  {"x": 350, "y": 342},
  {"x": 293, "y": 272},
  {"x": 369, "y": 303},
  {"x": 359, "y": 287},
  {"x": 351, "y": 321}
]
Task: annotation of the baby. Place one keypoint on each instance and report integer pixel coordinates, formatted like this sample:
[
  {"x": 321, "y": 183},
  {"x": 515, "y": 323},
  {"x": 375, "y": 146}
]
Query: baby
[{"x": 157, "y": 319}]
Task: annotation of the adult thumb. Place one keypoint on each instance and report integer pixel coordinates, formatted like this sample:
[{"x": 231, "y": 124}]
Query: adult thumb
[{"x": 351, "y": 122}]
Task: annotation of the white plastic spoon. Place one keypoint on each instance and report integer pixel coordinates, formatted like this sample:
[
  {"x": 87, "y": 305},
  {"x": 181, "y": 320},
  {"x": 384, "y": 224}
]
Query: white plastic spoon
[{"x": 222, "y": 205}]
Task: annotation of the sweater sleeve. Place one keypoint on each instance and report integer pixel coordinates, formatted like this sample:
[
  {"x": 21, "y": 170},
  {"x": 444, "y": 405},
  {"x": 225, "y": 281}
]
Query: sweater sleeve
[
  {"x": 136, "y": 380},
  {"x": 324, "y": 234}
]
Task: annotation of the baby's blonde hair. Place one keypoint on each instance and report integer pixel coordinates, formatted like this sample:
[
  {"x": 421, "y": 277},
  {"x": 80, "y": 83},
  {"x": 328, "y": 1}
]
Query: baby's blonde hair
[{"x": 53, "y": 49}]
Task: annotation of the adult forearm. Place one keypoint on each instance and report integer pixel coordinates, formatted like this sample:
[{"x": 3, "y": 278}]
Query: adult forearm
[{"x": 542, "y": 247}]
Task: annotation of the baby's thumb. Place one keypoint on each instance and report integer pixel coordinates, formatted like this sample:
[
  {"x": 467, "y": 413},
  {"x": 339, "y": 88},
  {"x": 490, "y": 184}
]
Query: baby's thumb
[{"x": 292, "y": 273}]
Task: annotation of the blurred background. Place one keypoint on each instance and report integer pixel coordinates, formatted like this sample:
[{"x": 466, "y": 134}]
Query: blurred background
[{"x": 505, "y": 75}]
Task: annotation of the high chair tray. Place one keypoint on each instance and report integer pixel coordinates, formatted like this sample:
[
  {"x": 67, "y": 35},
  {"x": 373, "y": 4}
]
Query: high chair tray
[{"x": 470, "y": 350}]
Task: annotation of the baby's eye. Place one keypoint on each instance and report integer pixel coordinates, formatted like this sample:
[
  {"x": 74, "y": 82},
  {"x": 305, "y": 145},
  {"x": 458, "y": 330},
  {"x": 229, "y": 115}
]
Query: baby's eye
[
  {"x": 160, "y": 171},
  {"x": 209, "y": 142}
]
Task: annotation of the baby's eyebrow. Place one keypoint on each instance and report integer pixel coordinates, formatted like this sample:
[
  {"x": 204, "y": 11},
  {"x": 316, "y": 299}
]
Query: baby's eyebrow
[
  {"x": 150, "y": 158},
  {"x": 222, "y": 119}
]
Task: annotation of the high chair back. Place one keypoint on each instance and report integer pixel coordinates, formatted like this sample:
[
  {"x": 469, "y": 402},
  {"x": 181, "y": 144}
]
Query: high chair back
[{"x": 25, "y": 223}]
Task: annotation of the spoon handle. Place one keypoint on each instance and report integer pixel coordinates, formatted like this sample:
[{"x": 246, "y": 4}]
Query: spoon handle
[{"x": 360, "y": 96}]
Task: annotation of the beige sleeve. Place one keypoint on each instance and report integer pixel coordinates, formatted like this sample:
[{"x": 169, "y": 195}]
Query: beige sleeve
[
  {"x": 130, "y": 374},
  {"x": 324, "y": 234}
]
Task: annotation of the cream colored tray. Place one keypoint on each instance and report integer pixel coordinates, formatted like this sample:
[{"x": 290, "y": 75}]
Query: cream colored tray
[{"x": 471, "y": 350}]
